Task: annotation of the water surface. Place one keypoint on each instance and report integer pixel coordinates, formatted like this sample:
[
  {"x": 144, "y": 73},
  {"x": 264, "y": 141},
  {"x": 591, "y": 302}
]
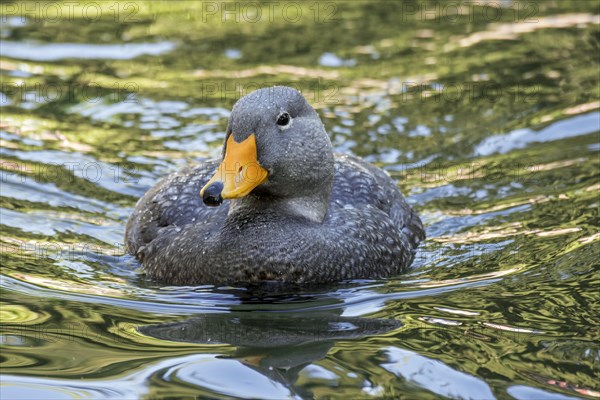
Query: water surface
[{"x": 488, "y": 121}]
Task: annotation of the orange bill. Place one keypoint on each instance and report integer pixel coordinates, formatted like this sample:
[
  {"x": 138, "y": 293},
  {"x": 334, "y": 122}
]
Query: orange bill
[{"x": 239, "y": 171}]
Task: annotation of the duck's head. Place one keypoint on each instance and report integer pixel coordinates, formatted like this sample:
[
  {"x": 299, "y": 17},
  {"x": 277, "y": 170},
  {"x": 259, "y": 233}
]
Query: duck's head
[{"x": 276, "y": 148}]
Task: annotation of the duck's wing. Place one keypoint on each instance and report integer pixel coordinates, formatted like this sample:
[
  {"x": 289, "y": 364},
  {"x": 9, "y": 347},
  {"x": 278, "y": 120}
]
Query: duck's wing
[
  {"x": 360, "y": 184},
  {"x": 171, "y": 204}
]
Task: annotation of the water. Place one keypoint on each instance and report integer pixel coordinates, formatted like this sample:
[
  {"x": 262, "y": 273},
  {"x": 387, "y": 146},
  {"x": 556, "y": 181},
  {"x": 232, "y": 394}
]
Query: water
[{"x": 489, "y": 122}]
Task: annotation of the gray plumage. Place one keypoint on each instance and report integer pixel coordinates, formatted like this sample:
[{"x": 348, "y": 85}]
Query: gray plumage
[{"x": 318, "y": 218}]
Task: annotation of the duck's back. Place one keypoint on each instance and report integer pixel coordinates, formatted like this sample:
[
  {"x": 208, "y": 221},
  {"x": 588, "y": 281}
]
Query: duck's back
[
  {"x": 360, "y": 185},
  {"x": 369, "y": 231}
]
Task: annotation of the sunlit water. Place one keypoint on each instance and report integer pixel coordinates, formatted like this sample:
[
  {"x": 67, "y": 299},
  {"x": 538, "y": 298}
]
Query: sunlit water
[{"x": 488, "y": 121}]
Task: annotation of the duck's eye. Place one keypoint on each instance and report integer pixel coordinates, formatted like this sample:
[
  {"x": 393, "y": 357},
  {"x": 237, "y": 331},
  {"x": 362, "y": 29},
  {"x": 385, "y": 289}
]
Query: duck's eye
[{"x": 283, "y": 119}]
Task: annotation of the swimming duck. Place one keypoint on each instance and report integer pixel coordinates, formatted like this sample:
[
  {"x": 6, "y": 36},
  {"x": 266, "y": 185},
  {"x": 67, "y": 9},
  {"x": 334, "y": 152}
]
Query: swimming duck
[{"x": 278, "y": 206}]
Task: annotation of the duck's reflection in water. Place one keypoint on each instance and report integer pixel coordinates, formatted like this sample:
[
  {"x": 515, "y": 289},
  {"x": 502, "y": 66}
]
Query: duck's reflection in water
[{"x": 277, "y": 345}]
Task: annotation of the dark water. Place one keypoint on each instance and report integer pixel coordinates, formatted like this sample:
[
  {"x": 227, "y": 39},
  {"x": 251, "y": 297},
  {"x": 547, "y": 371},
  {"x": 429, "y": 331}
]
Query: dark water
[{"x": 488, "y": 120}]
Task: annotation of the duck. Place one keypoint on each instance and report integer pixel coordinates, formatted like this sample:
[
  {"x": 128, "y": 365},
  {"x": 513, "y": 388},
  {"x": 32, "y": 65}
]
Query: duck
[{"x": 278, "y": 206}]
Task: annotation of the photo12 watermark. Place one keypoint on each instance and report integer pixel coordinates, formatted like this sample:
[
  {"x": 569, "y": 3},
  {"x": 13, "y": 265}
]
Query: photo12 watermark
[
  {"x": 12, "y": 334},
  {"x": 471, "y": 11},
  {"x": 60, "y": 11},
  {"x": 68, "y": 172},
  {"x": 316, "y": 93},
  {"x": 471, "y": 91},
  {"x": 270, "y": 11},
  {"x": 19, "y": 91},
  {"x": 58, "y": 252},
  {"x": 289, "y": 12},
  {"x": 523, "y": 172}
]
